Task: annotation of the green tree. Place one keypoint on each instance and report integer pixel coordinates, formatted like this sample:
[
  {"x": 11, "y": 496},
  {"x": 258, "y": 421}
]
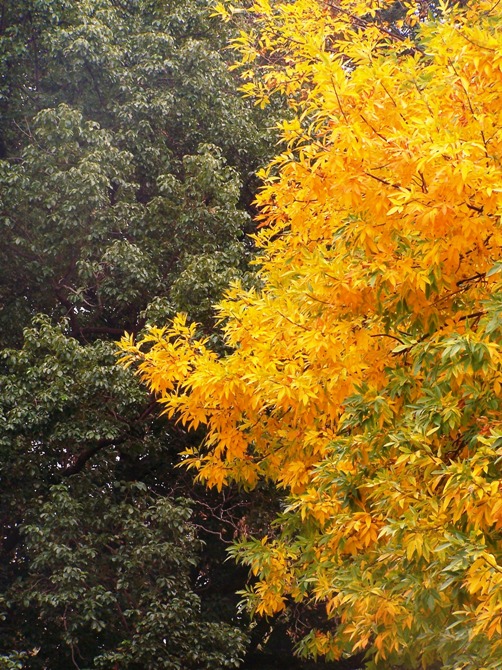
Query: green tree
[
  {"x": 126, "y": 162},
  {"x": 111, "y": 565},
  {"x": 117, "y": 121}
]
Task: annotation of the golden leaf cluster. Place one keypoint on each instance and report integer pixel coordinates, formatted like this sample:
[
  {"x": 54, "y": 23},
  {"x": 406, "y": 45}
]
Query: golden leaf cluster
[{"x": 365, "y": 376}]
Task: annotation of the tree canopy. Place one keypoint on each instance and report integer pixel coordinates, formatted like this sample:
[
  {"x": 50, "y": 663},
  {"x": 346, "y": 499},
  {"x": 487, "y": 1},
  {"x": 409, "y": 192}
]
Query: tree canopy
[
  {"x": 126, "y": 167},
  {"x": 118, "y": 120},
  {"x": 363, "y": 377}
]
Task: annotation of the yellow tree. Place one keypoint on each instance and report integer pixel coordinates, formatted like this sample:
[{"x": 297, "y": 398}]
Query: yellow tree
[{"x": 365, "y": 376}]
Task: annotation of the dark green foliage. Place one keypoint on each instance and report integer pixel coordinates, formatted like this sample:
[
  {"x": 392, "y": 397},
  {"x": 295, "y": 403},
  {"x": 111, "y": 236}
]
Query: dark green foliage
[
  {"x": 111, "y": 565},
  {"x": 118, "y": 120},
  {"x": 126, "y": 174},
  {"x": 97, "y": 560}
]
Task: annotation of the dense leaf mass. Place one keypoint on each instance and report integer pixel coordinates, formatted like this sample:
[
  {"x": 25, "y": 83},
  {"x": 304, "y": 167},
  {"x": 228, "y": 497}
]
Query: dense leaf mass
[
  {"x": 118, "y": 120},
  {"x": 365, "y": 375},
  {"x": 126, "y": 168},
  {"x": 123, "y": 597}
]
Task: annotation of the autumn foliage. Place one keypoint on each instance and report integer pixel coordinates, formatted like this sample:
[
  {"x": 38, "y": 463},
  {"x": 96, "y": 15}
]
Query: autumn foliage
[{"x": 365, "y": 376}]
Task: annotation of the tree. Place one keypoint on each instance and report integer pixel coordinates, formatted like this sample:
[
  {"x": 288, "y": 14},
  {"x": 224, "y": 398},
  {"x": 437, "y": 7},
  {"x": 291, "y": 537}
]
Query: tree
[
  {"x": 118, "y": 118},
  {"x": 125, "y": 162},
  {"x": 363, "y": 377},
  {"x": 123, "y": 597}
]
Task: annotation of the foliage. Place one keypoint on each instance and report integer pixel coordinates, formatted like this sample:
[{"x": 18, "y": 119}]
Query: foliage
[
  {"x": 99, "y": 560},
  {"x": 120, "y": 121},
  {"x": 123, "y": 596},
  {"x": 126, "y": 157},
  {"x": 364, "y": 378}
]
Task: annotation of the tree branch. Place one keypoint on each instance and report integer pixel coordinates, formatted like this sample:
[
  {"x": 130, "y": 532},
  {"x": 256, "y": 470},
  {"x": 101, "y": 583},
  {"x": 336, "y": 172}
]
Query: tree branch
[
  {"x": 364, "y": 23},
  {"x": 85, "y": 456}
]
